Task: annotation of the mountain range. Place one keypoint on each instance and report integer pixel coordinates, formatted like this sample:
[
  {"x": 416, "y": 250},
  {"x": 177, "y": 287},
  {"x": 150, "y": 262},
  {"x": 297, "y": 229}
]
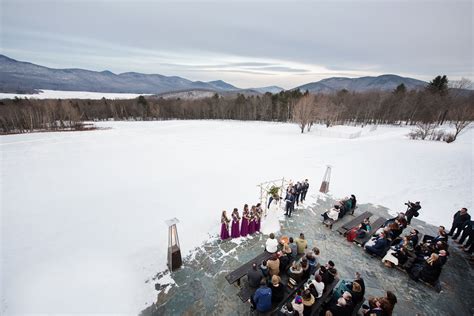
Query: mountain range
[{"x": 23, "y": 77}]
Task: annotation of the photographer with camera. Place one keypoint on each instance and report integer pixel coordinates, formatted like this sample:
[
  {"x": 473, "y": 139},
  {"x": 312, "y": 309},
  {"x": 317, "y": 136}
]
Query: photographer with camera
[{"x": 412, "y": 210}]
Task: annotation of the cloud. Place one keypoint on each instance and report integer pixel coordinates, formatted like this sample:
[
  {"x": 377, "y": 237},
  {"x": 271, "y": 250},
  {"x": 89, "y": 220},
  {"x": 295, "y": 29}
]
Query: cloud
[{"x": 248, "y": 42}]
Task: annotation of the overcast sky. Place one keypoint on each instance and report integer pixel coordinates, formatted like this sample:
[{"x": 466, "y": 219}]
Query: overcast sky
[{"x": 246, "y": 43}]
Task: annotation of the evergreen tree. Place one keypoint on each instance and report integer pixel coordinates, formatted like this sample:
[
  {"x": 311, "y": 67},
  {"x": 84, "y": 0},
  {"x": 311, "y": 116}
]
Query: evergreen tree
[
  {"x": 400, "y": 89},
  {"x": 438, "y": 85}
]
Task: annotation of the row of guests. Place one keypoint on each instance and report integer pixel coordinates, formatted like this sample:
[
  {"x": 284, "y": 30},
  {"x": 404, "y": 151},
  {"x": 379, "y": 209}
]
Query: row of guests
[
  {"x": 248, "y": 224},
  {"x": 343, "y": 301},
  {"x": 283, "y": 261},
  {"x": 316, "y": 277},
  {"x": 344, "y": 206},
  {"x": 273, "y": 292},
  {"x": 295, "y": 193},
  {"x": 421, "y": 259}
]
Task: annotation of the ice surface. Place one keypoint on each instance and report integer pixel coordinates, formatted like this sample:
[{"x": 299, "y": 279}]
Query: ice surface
[{"x": 83, "y": 213}]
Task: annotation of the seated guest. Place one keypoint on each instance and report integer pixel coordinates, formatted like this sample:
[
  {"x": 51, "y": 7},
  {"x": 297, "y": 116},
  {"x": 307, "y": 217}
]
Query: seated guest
[
  {"x": 373, "y": 239},
  {"x": 301, "y": 244},
  {"x": 254, "y": 276},
  {"x": 365, "y": 225},
  {"x": 388, "y": 303},
  {"x": 337, "y": 308},
  {"x": 271, "y": 245},
  {"x": 284, "y": 261},
  {"x": 298, "y": 305},
  {"x": 311, "y": 258},
  {"x": 264, "y": 268},
  {"x": 360, "y": 231},
  {"x": 358, "y": 279},
  {"x": 316, "y": 253},
  {"x": 413, "y": 237},
  {"x": 395, "y": 230},
  {"x": 346, "y": 206},
  {"x": 398, "y": 254},
  {"x": 443, "y": 257},
  {"x": 347, "y": 296},
  {"x": 262, "y": 299},
  {"x": 293, "y": 247},
  {"x": 328, "y": 273},
  {"x": 273, "y": 265},
  {"x": 428, "y": 271},
  {"x": 312, "y": 289},
  {"x": 432, "y": 268},
  {"x": 380, "y": 306},
  {"x": 401, "y": 221},
  {"x": 332, "y": 214},
  {"x": 287, "y": 310},
  {"x": 442, "y": 236},
  {"x": 379, "y": 247},
  {"x": 287, "y": 249},
  {"x": 306, "y": 269},
  {"x": 296, "y": 272},
  {"x": 356, "y": 291},
  {"x": 353, "y": 287},
  {"x": 308, "y": 301},
  {"x": 278, "y": 290},
  {"x": 318, "y": 285}
]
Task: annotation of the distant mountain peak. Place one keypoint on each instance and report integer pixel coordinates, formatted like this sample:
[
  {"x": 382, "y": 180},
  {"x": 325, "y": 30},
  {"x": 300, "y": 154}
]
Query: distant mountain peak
[
  {"x": 220, "y": 84},
  {"x": 384, "y": 82}
]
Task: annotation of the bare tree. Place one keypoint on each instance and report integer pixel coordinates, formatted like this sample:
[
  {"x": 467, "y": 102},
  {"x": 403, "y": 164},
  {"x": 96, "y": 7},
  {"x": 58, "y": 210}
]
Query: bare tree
[
  {"x": 461, "y": 116},
  {"x": 423, "y": 130},
  {"x": 303, "y": 111}
]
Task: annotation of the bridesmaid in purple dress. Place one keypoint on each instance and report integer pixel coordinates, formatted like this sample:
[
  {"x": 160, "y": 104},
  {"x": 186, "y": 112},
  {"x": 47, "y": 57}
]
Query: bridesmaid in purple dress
[
  {"x": 244, "y": 227},
  {"x": 235, "y": 231},
  {"x": 224, "y": 226},
  {"x": 253, "y": 218},
  {"x": 259, "y": 217}
]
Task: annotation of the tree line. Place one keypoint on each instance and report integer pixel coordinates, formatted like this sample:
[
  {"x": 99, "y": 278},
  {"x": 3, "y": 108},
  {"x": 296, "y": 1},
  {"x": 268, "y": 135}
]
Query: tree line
[{"x": 434, "y": 105}]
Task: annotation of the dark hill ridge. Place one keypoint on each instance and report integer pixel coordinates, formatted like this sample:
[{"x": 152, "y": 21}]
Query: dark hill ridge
[
  {"x": 24, "y": 77},
  {"x": 383, "y": 82}
]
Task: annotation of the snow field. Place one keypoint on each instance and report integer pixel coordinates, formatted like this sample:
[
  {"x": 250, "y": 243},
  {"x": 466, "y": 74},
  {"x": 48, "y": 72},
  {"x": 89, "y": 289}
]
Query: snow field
[{"x": 83, "y": 212}]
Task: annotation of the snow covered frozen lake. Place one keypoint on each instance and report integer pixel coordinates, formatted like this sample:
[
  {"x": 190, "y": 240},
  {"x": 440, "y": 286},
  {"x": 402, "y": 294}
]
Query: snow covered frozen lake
[
  {"x": 57, "y": 94},
  {"x": 83, "y": 212}
]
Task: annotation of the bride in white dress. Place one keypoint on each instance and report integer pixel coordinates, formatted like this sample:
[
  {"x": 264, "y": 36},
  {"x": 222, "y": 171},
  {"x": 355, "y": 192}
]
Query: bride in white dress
[{"x": 271, "y": 222}]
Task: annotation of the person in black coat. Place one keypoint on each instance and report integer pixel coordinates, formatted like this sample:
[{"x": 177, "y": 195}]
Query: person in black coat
[
  {"x": 284, "y": 261},
  {"x": 298, "y": 191},
  {"x": 305, "y": 190},
  {"x": 413, "y": 209},
  {"x": 328, "y": 273},
  {"x": 460, "y": 219},
  {"x": 278, "y": 290},
  {"x": 466, "y": 232},
  {"x": 289, "y": 204},
  {"x": 354, "y": 201},
  {"x": 431, "y": 269},
  {"x": 254, "y": 276}
]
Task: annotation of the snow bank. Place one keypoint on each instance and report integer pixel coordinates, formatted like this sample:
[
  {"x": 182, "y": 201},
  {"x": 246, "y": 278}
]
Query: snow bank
[
  {"x": 56, "y": 94},
  {"x": 83, "y": 213}
]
